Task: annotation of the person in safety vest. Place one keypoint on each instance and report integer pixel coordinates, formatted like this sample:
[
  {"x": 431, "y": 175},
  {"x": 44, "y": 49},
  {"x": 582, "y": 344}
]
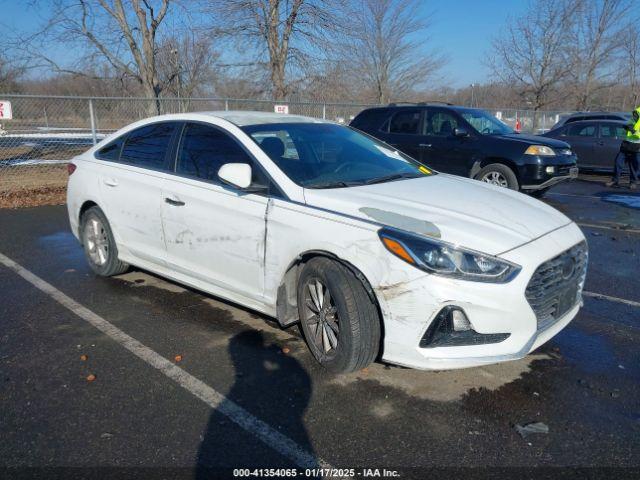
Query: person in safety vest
[{"x": 629, "y": 153}]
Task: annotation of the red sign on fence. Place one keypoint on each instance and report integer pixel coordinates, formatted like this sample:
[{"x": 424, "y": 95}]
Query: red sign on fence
[{"x": 5, "y": 110}]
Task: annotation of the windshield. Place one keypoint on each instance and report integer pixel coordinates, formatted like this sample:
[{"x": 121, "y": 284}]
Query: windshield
[
  {"x": 485, "y": 123},
  {"x": 324, "y": 155}
]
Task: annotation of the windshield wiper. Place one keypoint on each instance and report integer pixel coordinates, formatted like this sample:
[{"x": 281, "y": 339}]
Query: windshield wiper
[
  {"x": 388, "y": 178},
  {"x": 338, "y": 184}
]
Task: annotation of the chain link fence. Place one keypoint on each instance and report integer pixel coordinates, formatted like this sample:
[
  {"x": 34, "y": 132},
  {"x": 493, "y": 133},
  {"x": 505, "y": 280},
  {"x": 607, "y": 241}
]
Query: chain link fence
[{"x": 44, "y": 132}]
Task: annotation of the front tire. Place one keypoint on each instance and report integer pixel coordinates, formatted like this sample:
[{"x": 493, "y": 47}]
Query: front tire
[
  {"x": 499, "y": 175},
  {"x": 99, "y": 245},
  {"x": 339, "y": 320}
]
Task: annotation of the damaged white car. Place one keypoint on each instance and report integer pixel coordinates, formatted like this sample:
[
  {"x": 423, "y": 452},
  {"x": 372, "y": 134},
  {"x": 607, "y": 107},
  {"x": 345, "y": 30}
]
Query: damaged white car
[{"x": 376, "y": 255}]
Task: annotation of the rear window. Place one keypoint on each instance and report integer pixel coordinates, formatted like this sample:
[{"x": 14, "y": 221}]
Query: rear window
[
  {"x": 612, "y": 131},
  {"x": 147, "y": 146},
  {"x": 407, "y": 121},
  {"x": 581, "y": 131},
  {"x": 369, "y": 120}
]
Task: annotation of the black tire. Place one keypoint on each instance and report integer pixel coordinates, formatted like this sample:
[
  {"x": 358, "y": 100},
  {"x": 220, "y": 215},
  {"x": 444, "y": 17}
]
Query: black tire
[
  {"x": 501, "y": 173},
  {"x": 94, "y": 225},
  {"x": 539, "y": 193},
  {"x": 358, "y": 336}
]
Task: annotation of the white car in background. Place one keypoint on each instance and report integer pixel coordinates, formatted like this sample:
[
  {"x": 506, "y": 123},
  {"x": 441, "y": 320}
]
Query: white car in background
[{"x": 376, "y": 255}]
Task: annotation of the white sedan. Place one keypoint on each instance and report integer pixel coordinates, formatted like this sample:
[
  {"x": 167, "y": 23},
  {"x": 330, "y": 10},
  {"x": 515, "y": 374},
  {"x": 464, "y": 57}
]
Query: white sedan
[{"x": 374, "y": 254}]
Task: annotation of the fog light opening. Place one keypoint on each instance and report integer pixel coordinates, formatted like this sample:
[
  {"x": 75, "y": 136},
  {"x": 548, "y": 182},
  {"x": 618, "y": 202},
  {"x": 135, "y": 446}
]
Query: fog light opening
[
  {"x": 550, "y": 170},
  {"x": 452, "y": 328},
  {"x": 459, "y": 320}
]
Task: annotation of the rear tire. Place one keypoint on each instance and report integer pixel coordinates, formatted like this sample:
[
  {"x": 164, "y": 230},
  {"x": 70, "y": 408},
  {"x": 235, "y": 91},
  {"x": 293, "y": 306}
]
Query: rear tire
[
  {"x": 499, "y": 175},
  {"x": 99, "y": 245},
  {"x": 341, "y": 325}
]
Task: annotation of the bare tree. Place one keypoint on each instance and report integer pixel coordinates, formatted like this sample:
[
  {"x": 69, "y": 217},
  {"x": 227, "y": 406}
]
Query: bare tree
[
  {"x": 184, "y": 62},
  {"x": 532, "y": 53},
  {"x": 629, "y": 65},
  {"x": 122, "y": 33},
  {"x": 9, "y": 76},
  {"x": 597, "y": 36},
  {"x": 383, "y": 47},
  {"x": 283, "y": 33}
]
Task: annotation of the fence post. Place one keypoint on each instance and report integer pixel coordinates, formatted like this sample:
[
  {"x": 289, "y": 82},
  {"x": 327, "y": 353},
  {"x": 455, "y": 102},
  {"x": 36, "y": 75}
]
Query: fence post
[
  {"x": 324, "y": 111},
  {"x": 93, "y": 122},
  {"x": 226, "y": 105}
]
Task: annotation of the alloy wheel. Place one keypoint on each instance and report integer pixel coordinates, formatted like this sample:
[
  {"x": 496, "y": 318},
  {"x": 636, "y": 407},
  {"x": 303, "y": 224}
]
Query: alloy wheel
[
  {"x": 321, "y": 317},
  {"x": 495, "y": 178},
  {"x": 97, "y": 241}
]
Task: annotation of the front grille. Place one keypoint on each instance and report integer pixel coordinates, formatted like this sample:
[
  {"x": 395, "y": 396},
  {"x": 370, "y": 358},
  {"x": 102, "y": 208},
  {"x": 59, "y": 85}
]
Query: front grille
[
  {"x": 556, "y": 286},
  {"x": 564, "y": 151}
]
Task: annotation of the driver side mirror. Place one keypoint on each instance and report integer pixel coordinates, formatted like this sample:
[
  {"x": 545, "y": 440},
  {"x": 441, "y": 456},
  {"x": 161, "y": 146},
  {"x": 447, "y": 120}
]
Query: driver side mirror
[
  {"x": 236, "y": 174},
  {"x": 460, "y": 132}
]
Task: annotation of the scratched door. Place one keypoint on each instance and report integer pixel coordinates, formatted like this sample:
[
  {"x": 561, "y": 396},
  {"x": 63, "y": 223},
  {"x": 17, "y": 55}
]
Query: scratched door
[{"x": 213, "y": 232}]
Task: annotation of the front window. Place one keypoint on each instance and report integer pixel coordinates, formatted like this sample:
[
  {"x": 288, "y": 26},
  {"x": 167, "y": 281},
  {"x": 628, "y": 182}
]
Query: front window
[
  {"x": 485, "y": 123},
  {"x": 322, "y": 155}
]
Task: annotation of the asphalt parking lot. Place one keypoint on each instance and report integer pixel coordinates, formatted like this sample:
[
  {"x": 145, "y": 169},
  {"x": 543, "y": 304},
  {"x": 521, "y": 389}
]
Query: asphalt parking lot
[{"x": 195, "y": 386}]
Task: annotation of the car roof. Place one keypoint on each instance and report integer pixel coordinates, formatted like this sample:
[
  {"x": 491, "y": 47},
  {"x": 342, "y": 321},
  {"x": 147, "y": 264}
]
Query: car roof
[
  {"x": 244, "y": 118},
  {"x": 237, "y": 117},
  {"x": 598, "y": 120},
  {"x": 580, "y": 114}
]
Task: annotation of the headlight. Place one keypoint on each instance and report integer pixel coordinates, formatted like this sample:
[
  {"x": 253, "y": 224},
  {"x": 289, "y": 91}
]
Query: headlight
[
  {"x": 540, "y": 150},
  {"x": 441, "y": 258}
]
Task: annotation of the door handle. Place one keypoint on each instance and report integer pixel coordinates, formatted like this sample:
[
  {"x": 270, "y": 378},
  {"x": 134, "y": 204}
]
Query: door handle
[
  {"x": 174, "y": 202},
  {"x": 110, "y": 182},
  {"x": 424, "y": 145}
]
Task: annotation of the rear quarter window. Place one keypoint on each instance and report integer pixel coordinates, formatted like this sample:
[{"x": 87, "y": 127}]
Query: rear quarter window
[{"x": 111, "y": 151}]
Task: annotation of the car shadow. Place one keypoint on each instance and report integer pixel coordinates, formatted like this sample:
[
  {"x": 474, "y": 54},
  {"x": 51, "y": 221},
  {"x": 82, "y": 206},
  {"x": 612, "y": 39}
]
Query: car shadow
[{"x": 270, "y": 385}]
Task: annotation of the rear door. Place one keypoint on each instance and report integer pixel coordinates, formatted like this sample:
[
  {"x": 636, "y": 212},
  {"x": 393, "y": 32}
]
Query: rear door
[
  {"x": 582, "y": 137},
  {"x": 131, "y": 188},
  {"x": 405, "y": 130},
  {"x": 608, "y": 144},
  {"x": 215, "y": 233}
]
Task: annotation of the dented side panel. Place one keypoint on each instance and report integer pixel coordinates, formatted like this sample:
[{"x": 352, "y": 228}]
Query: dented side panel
[{"x": 217, "y": 236}]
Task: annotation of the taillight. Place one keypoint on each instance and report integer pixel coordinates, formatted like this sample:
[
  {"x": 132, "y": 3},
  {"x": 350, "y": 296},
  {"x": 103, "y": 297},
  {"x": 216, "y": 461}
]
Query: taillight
[{"x": 71, "y": 167}]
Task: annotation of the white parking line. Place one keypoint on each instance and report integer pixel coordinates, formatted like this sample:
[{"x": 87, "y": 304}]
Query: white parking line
[
  {"x": 602, "y": 296},
  {"x": 607, "y": 227},
  {"x": 558, "y": 194},
  {"x": 271, "y": 437}
]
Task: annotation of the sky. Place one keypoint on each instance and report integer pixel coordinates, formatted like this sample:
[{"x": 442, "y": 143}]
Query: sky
[{"x": 461, "y": 29}]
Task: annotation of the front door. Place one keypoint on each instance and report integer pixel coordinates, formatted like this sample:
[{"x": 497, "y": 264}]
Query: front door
[
  {"x": 443, "y": 150},
  {"x": 214, "y": 233}
]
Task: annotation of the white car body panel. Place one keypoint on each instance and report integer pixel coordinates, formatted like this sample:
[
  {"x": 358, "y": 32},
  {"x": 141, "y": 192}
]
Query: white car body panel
[
  {"x": 223, "y": 245},
  {"x": 240, "y": 246},
  {"x": 494, "y": 221}
]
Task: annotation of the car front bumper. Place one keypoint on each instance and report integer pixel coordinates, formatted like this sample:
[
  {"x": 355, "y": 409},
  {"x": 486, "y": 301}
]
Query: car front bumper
[
  {"x": 410, "y": 308},
  {"x": 534, "y": 175}
]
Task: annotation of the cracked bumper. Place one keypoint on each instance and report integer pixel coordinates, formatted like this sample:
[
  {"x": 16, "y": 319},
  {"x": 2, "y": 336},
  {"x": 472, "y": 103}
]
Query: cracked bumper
[{"x": 409, "y": 308}]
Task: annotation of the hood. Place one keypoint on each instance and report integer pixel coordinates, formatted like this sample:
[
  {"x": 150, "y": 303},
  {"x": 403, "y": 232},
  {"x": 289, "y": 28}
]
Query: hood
[
  {"x": 535, "y": 140},
  {"x": 464, "y": 212}
]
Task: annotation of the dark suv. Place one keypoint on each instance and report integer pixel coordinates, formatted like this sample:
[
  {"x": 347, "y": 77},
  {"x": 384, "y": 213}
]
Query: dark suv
[{"x": 471, "y": 143}]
